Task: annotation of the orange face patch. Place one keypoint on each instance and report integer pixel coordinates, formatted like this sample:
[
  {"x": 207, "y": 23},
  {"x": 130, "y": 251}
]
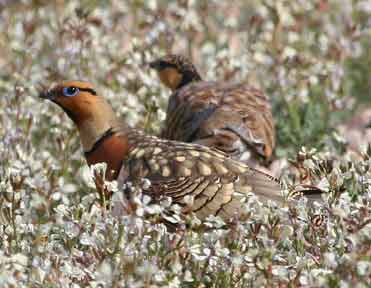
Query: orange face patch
[
  {"x": 78, "y": 107},
  {"x": 170, "y": 77}
]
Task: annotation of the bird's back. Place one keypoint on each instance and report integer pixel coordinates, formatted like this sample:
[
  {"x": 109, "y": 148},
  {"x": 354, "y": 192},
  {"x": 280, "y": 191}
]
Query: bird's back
[{"x": 234, "y": 118}]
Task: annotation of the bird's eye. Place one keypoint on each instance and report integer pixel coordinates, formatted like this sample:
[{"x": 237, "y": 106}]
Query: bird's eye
[{"x": 70, "y": 91}]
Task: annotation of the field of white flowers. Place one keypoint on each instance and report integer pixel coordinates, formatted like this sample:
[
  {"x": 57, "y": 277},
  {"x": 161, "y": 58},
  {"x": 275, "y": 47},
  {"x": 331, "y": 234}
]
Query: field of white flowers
[{"x": 312, "y": 57}]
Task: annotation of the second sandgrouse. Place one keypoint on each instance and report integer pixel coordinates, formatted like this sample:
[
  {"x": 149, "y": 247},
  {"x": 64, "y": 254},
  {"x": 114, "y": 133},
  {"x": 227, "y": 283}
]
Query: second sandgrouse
[{"x": 234, "y": 118}]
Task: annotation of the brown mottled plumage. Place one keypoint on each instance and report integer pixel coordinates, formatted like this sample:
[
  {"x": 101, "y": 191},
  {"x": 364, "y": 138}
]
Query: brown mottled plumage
[
  {"x": 175, "y": 169},
  {"x": 234, "y": 118}
]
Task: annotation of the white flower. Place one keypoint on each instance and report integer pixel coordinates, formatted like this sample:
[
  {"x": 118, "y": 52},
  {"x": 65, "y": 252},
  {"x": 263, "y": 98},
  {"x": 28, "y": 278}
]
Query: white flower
[
  {"x": 364, "y": 268},
  {"x": 86, "y": 239},
  {"x": 174, "y": 283},
  {"x": 176, "y": 267},
  {"x": 69, "y": 188},
  {"x": 330, "y": 260},
  {"x": 71, "y": 229},
  {"x": 104, "y": 273},
  {"x": 214, "y": 221},
  {"x": 166, "y": 202},
  {"x": 280, "y": 271},
  {"x": 146, "y": 183},
  {"x": 364, "y": 6},
  {"x": 289, "y": 52},
  {"x": 189, "y": 199},
  {"x": 87, "y": 176},
  {"x": 324, "y": 184},
  {"x": 199, "y": 255},
  {"x": 147, "y": 269},
  {"x": 173, "y": 218},
  {"x": 188, "y": 276}
]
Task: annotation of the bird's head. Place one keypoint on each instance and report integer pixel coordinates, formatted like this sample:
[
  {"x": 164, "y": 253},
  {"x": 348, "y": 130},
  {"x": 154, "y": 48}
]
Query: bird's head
[
  {"x": 175, "y": 71},
  {"x": 92, "y": 114},
  {"x": 78, "y": 99}
]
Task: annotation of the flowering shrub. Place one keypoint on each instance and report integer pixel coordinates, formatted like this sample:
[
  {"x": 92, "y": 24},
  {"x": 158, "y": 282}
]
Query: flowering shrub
[{"x": 311, "y": 57}]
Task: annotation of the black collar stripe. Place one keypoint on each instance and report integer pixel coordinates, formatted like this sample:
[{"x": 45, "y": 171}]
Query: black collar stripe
[{"x": 97, "y": 143}]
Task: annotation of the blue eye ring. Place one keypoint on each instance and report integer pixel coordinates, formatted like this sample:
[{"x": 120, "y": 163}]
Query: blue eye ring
[{"x": 70, "y": 91}]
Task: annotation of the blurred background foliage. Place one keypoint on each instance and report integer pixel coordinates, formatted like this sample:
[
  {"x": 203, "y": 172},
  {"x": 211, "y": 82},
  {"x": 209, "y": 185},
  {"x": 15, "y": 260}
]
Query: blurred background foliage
[{"x": 312, "y": 58}]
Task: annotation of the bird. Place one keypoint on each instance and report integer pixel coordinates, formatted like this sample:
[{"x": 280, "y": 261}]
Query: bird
[
  {"x": 215, "y": 181},
  {"x": 235, "y": 118}
]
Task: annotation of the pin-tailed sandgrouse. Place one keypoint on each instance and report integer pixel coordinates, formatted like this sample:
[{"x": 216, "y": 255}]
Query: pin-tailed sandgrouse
[{"x": 234, "y": 118}]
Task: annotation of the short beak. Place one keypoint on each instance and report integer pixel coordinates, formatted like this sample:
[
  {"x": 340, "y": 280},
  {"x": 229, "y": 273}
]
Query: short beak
[
  {"x": 154, "y": 65},
  {"x": 46, "y": 94}
]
